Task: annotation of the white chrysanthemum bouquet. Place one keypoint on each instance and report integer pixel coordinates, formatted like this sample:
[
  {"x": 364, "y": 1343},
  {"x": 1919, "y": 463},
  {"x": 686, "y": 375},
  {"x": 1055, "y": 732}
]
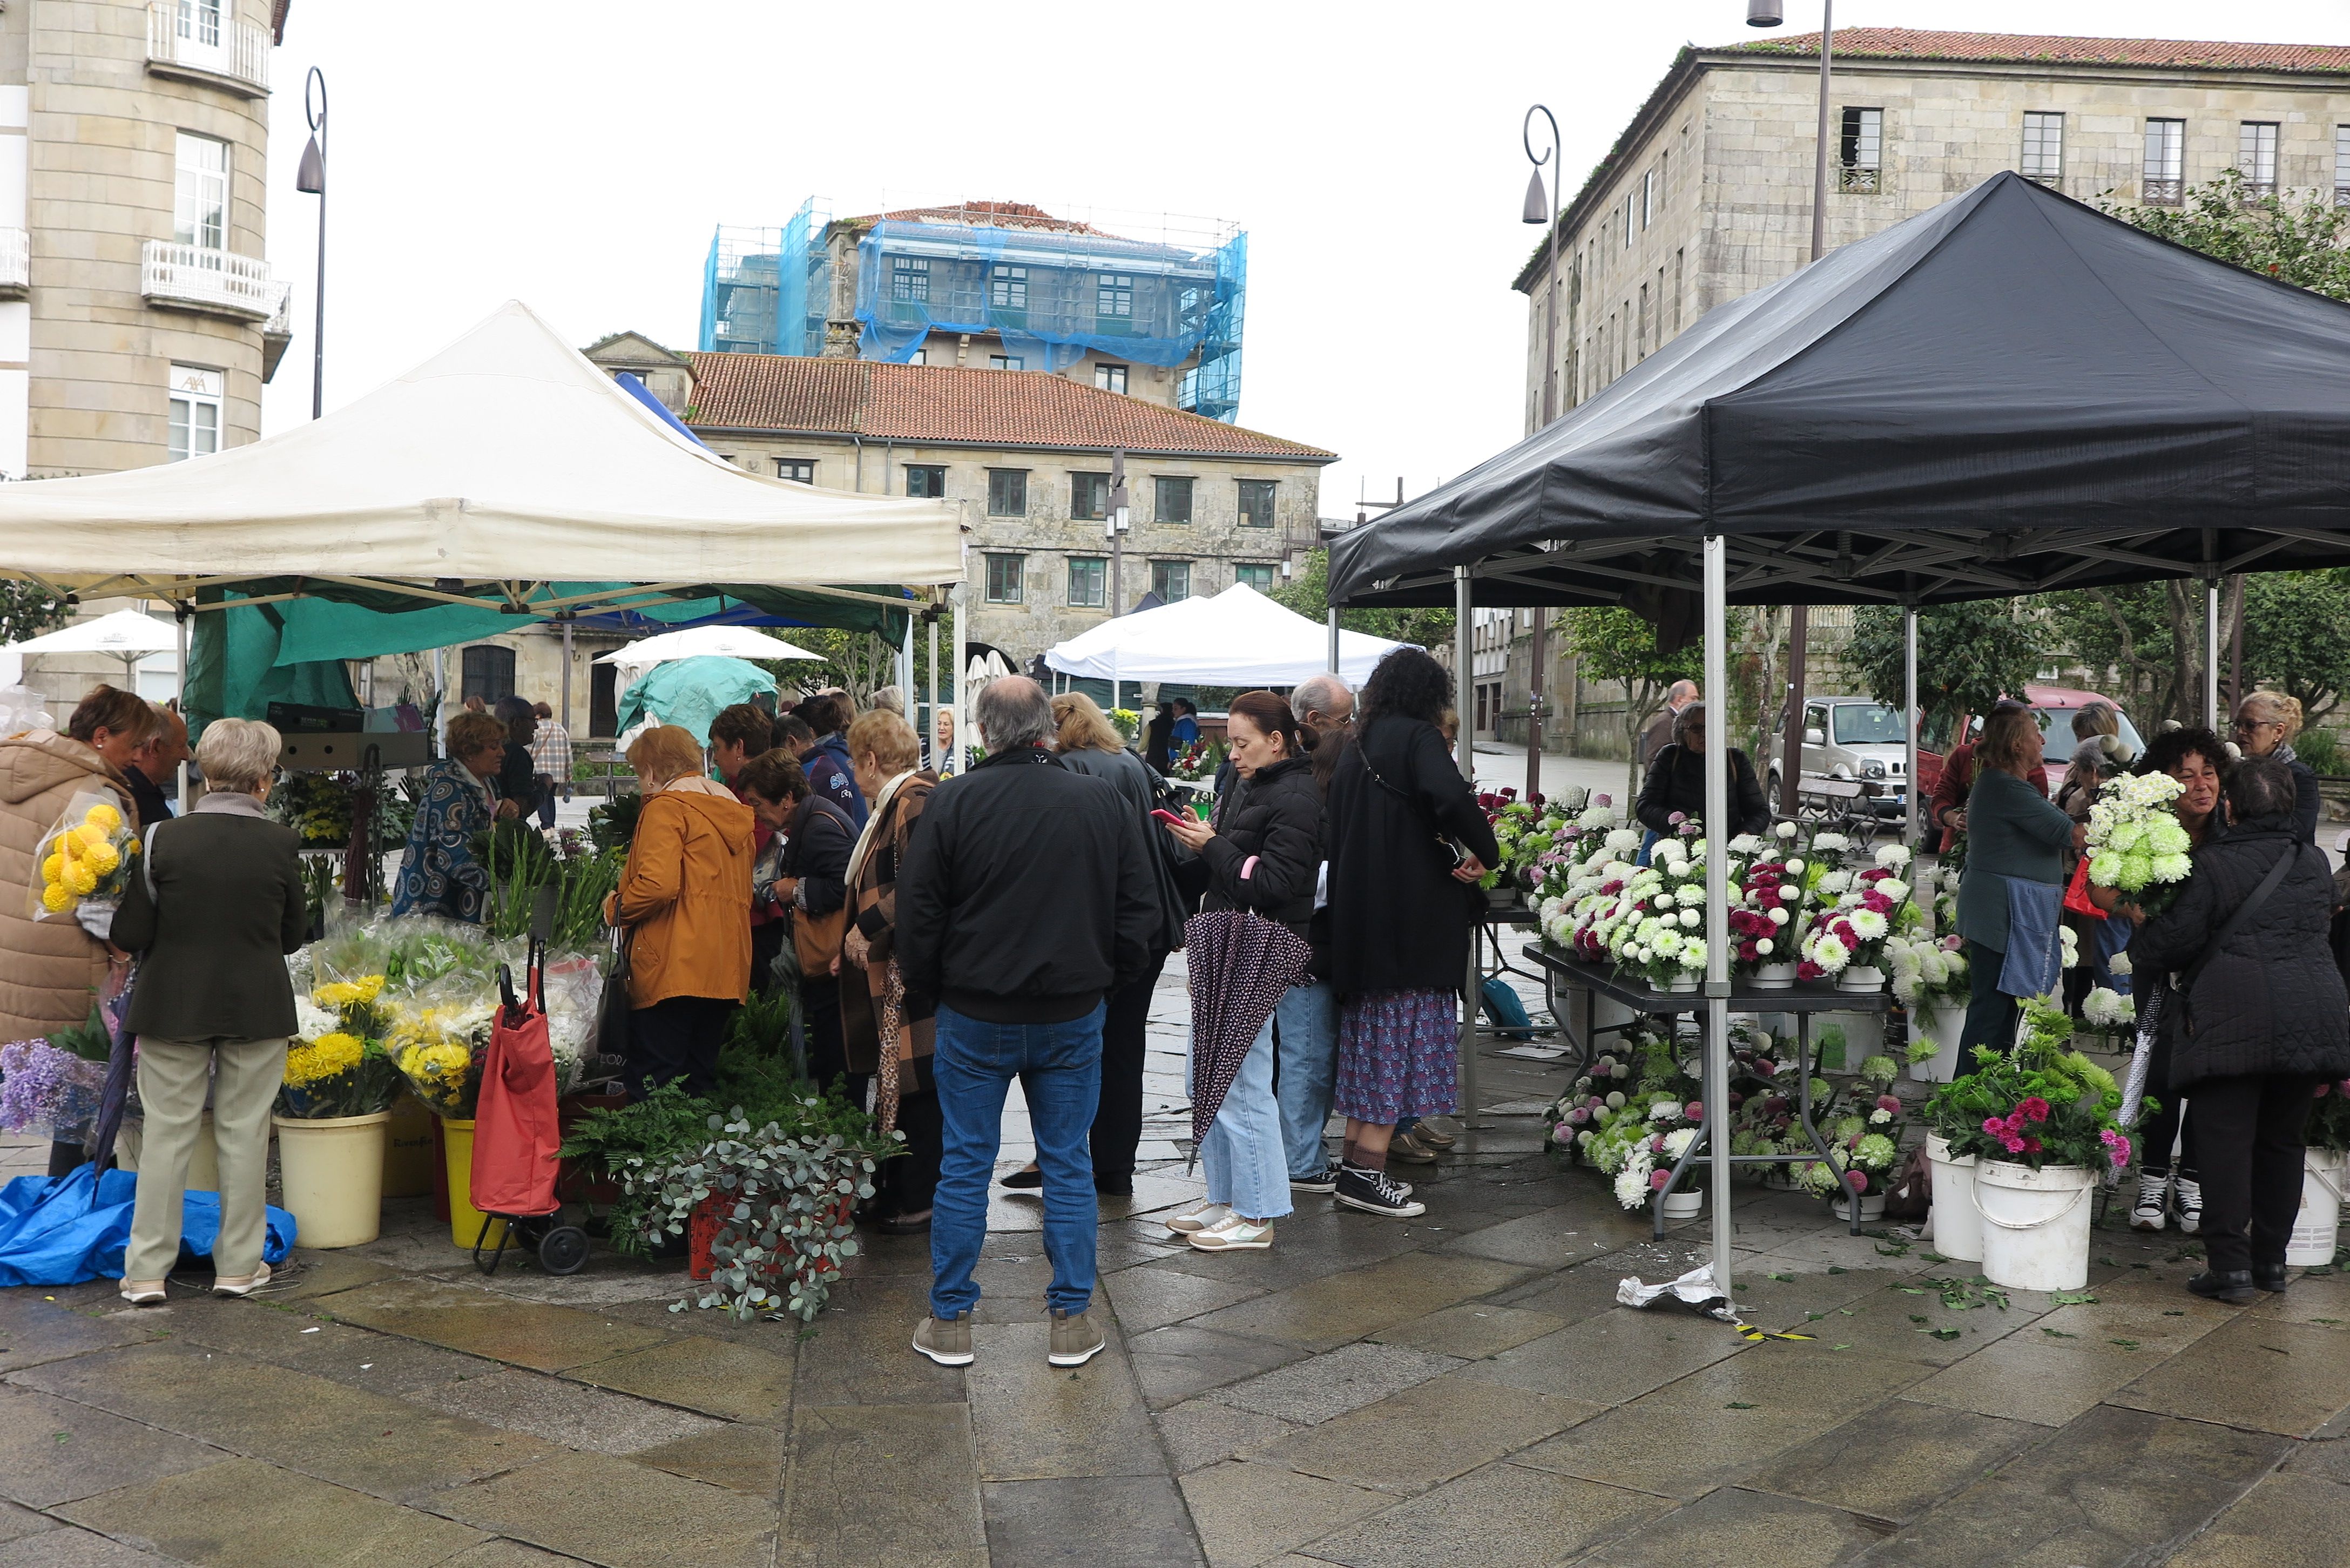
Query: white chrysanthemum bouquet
[{"x": 2136, "y": 845}]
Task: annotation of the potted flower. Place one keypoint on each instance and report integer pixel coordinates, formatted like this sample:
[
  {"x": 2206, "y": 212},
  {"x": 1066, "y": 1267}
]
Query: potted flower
[
  {"x": 2047, "y": 1136},
  {"x": 333, "y": 1111},
  {"x": 2317, "y": 1230},
  {"x": 1863, "y": 1127},
  {"x": 1931, "y": 979}
]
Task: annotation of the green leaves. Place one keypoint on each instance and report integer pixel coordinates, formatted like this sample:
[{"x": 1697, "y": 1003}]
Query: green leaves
[{"x": 1968, "y": 654}]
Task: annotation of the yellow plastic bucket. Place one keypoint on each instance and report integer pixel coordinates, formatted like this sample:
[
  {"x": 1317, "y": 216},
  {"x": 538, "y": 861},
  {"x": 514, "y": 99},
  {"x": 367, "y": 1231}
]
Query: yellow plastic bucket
[{"x": 464, "y": 1219}]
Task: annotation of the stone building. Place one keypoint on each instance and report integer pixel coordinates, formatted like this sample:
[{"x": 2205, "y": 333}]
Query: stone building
[
  {"x": 1707, "y": 194},
  {"x": 1027, "y": 459}
]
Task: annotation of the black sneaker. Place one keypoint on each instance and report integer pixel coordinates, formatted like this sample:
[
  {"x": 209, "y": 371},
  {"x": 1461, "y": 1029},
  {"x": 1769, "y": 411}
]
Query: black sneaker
[
  {"x": 1323, "y": 1180},
  {"x": 1374, "y": 1192}
]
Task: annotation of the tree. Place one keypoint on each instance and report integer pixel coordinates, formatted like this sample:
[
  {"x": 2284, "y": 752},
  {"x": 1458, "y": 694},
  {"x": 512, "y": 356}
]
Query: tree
[
  {"x": 1969, "y": 655},
  {"x": 856, "y": 661},
  {"x": 1611, "y": 644},
  {"x": 29, "y": 609},
  {"x": 1307, "y": 594},
  {"x": 2297, "y": 637},
  {"x": 2303, "y": 241}
]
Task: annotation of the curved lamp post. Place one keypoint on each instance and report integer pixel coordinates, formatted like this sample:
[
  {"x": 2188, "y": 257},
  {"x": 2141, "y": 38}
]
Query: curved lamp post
[{"x": 311, "y": 180}]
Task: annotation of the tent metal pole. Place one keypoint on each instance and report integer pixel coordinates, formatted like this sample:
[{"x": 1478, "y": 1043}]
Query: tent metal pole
[
  {"x": 1910, "y": 724},
  {"x": 1717, "y": 898},
  {"x": 1333, "y": 640},
  {"x": 179, "y": 624},
  {"x": 962, "y": 675},
  {"x": 930, "y": 701},
  {"x": 2211, "y": 652},
  {"x": 566, "y": 681},
  {"x": 1465, "y": 753}
]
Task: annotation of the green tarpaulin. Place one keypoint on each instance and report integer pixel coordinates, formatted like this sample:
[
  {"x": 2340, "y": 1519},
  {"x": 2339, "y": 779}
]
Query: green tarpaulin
[
  {"x": 689, "y": 692},
  {"x": 233, "y": 671}
]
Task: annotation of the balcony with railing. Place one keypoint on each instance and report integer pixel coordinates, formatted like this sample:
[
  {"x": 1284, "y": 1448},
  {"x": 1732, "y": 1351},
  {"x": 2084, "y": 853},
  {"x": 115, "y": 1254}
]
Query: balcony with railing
[
  {"x": 198, "y": 43},
  {"x": 16, "y": 263},
  {"x": 214, "y": 283}
]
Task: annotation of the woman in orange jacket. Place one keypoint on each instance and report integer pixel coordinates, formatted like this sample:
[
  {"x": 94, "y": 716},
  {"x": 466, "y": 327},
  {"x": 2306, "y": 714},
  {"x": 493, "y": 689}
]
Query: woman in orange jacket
[{"x": 685, "y": 901}]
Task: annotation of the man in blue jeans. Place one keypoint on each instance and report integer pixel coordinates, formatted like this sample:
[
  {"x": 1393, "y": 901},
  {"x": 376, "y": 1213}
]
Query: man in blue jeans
[{"x": 1026, "y": 897}]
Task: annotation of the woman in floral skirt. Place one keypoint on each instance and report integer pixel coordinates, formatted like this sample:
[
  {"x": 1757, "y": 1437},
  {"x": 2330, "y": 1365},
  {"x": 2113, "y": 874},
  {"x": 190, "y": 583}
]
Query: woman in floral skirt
[{"x": 1405, "y": 841}]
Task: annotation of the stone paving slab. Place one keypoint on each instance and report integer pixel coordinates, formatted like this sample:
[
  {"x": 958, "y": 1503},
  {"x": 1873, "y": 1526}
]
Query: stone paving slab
[
  {"x": 1175, "y": 1363},
  {"x": 33, "y": 1330},
  {"x": 1336, "y": 1382},
  {"x": 1331, "y": 1310},
  {"x": 2285, "y": 1522},
  {"x": 1089, "y": 1521},
  {"x": 1754, "y": 1529},
  {"x": 242, "y": 1514},
  {"x": 610, "y": 1511},
  {"x": 1895, "y": 1461},
  {"x": 1033, "y": 1421},
  {"x": 1471, "y": 1330},
  {"x": 293, "y": 1339},
  {"x": 882, "y": 1485},
  {"x": 52, "y": 1450},
  {"x": 1425, "y": 1435},
  {"x": 70, "y": 1548},
  {"x": 2271, "y": 1376},
  {"x": 743, "y": 1458},
  {"x": 732, "y": 1382},
  {"x": 1248, "y": 1514},
  {"x": 1500, "y": 1516},
  {"x": 567, "y": 1412},
  {"x": 483, "y": 1322}
]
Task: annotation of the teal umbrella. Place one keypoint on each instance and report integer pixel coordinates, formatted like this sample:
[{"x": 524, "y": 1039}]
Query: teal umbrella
[{"x": 689, "y": 692}]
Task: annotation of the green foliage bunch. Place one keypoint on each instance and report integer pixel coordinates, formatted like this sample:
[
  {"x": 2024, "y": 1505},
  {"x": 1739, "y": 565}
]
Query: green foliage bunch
[{"x": 1969, "y": 655}]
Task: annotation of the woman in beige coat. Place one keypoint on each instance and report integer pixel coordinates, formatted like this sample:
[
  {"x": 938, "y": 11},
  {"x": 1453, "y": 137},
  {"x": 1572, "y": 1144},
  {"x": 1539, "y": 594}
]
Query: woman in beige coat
[{"x": 51, "y": 971}]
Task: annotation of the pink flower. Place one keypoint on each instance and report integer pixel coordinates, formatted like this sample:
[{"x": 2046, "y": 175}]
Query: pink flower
[
  {"x": 2014, "y": 1143},
  {"x": 1578, "y": 1115},
  {"x": 1657, "y": 1179},
  {"x": 2014, "y": 1123},
  {"x": 1953, "y": 942},
  {"x": 1888, "y": 1104},
  {"x": 1807, "y": 970},
  {"x": 1856, "y": 1179},
  {"x": 1695, "y": 1110},
  {"x": 1736, "y": 1099},
  {"x": 2033, "y": 1109},
  {"x": 1995, "y": 1126},
  {"x": 1602, "y": 800},
  {"x": 2320, "y": 1091}
]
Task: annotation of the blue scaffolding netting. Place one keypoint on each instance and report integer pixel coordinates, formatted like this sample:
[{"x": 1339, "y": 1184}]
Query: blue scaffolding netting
[{"x": 1049, "y": 295}]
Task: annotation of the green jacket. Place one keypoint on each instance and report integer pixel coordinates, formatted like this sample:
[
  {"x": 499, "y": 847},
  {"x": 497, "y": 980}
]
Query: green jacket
[
  {"x": 228, "y": 907},
  {"x": 2011, "y": 830}
]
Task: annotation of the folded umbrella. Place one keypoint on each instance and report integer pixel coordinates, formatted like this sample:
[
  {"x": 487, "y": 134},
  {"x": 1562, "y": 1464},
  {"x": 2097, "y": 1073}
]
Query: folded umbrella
[
  {"x": 1241, "y": 963},
  {"x": 2149, "y": 1024}
]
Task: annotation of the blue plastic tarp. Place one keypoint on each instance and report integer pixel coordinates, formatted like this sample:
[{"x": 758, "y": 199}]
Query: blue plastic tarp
[{"x": 55, "y": 1231}]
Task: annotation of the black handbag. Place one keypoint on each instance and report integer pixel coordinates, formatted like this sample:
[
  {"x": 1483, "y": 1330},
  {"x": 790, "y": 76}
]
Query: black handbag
[{"x": 612, "y": 1008}]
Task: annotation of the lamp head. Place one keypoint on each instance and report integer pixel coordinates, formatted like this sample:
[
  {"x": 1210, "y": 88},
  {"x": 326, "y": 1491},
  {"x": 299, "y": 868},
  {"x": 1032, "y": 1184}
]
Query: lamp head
[
  {"x": 1536, "y": 203},
  {"x": 311, "y": 178},
  {"x": 1765, "y": 13}
]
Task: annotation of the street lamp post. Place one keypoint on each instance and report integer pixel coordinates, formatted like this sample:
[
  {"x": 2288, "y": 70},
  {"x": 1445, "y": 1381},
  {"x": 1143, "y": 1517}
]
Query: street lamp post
[
  {"x": 311, "y": 180},
  {"x": 1540, "y": 208},
  {"x": 1772, "y": 14},
  {"x": 1116, "y": 527}
]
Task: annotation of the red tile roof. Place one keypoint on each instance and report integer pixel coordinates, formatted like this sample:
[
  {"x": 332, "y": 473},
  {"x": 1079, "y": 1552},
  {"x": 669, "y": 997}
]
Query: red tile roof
[
  {"x": 948, "y": 403},
  {"x": 983, "y": 214},
  {"x": 2028, "y": 48}
]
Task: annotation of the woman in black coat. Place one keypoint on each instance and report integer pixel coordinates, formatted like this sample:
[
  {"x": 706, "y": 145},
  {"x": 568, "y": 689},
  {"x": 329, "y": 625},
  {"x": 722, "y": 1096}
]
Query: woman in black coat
[
  {"x": 1400, "y": 914},
  {"x": 2264, "y": 1020},
  {"x": 1675, "y": 782},
  {"x": 1263, "y": 854},
  {"x": 2265, "y": 725},
  {"x": 813, "y": 884}
]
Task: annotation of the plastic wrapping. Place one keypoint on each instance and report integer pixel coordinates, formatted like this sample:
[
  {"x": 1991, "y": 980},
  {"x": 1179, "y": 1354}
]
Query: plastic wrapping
[{"x": 84, "y": 860}]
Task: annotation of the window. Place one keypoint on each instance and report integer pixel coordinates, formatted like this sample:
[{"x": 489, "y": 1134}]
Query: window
[
  {"x": 200, "y": 197},
  {"x": 909, "y": 279},
  {"x": 1114, "y": 294},
  {"x": 919, "y": 356},
  {"x": 199, "y": 21},
  {"x": 1007, "y": 288},
  {"x": 1627, "y": 223},
  {"x": 799, "y": 470},
  {"x": 1171, "y": 581},
  {"x": 1647, "y": 198},
  {"x": 1256, "y": 502},
  {"x": 2342, "y": 165},
  {"x": 1255, "y": 574},
  {"x": 1090, "y": 497},
  {"x": 927, "y": 479},
  {"x": 1110, "y": 378},
  {"x": 2044, "y": 146},
  {"x": 1003, "y": 579},
  {"x": 2256, "y": 142},
  {"x": 1006, "y": 362},
  {"x": 488, "y": 673},
  {"x": 1088, "y": 582},
  {"x": 1007, "y": 493},
  {"x": 1860, "y": 153},
  {"x": 2162, "y": 179},
  {"x": 1174, "y": 501},
  {"x": 1677, "y": 291},
  {"x": 195, "y": 412},
  {"x": 1640, "y": 324}
]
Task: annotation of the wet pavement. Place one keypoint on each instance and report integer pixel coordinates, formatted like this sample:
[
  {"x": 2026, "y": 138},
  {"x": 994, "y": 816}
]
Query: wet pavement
[{"x": 1455, "y": 1389}]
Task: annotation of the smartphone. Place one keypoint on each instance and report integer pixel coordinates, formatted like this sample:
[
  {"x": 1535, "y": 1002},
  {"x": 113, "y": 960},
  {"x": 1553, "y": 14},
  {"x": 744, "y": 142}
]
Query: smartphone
[{"x": 1168, "y": 817}]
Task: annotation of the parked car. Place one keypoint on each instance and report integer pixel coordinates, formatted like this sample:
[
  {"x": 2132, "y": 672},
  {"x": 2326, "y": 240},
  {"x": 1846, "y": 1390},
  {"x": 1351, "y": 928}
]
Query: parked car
[
  {"x": 2055, "y": 706},
  {"x": 1849, "y": 738}
]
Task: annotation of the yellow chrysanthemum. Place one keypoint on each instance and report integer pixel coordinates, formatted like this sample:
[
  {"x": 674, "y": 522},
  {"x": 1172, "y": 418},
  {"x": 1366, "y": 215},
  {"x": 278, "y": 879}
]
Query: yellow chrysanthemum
[
  {"x": 323, "y": 1058},
  {"x": 67, "y": 844},
  {"x": 53, "y": 869},
  {"x": 80, "y": 879},
  {"x": 103, "y": 817},
  {"x": 102, "y": 858},
  {"x": 89, "y": 836},
  {"x": 56, "y": 899}
]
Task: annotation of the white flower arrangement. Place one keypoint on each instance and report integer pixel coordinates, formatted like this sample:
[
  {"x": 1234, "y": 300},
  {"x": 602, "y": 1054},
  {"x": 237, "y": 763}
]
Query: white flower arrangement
[
  {"x": 1623, "y": 841},
  {"x": 2119, "y": 963},
  {"x": 1830, "y": 844},
  {"x": 1892, "y": 856},
  {"x": 2104, "y": 1007},
  {"x": 2135, "y": 842}
]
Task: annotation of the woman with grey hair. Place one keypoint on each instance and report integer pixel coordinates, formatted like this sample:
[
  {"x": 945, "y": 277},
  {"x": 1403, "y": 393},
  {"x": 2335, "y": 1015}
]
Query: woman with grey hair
[
  {"x": 2264, "y": 1022},
  {"x": 2266, "y": 724},
  {"x": 216, "y": 906}
]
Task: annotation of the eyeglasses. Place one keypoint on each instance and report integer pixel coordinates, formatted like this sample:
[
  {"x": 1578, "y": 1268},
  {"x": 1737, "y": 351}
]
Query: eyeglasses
[{"x": 2246, "y": 726}]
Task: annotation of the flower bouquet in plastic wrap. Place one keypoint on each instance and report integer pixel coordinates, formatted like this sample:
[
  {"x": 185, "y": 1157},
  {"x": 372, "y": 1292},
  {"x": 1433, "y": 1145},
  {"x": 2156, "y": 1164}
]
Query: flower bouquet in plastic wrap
[
  {"x": 2137, "y": 845},
  {"x": 332, "y": 1072},
  {"x": 86, "y": 860},
  {"x": 53, "y": 1085}
]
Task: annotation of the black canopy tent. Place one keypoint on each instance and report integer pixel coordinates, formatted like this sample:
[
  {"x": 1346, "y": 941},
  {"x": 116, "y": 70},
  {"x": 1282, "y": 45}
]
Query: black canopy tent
[{"x": 2011, "y": 393}]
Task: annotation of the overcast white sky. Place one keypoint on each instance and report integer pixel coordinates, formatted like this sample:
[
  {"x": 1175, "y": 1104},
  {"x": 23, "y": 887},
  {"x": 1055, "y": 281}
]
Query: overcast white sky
[{"x": 577, "y": 155}]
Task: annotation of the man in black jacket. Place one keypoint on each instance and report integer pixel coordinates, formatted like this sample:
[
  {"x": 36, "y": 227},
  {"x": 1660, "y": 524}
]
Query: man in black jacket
[{"x": 1026, "y": 897}]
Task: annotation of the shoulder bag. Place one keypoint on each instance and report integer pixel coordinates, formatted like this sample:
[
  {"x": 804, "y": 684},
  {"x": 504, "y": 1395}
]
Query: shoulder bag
[
  {"x": 612, "y": 1008},
  {"x": 1455, "y": 852},
  {"x": 2260, "y": 896}
]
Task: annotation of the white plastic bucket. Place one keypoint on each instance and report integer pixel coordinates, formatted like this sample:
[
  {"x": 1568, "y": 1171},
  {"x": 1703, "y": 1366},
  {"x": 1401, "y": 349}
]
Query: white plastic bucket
[
  {"x": 1861, "y": 976},
  {"x": 1958, "y": 1227},
  {"x": 1872, "y": 1206},
  {"x": 2035, "y": 1224},
  {"x": 331, "y": 1171},
  {"x": 1684, "y": 1205},
  {"x": 2316, "y": 1230},
  {"x": 1943, "y": 1025}
]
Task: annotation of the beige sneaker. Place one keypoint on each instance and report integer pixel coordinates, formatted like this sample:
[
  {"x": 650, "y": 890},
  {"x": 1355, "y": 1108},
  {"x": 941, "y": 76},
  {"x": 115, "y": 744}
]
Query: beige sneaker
[
  {"x": 1234, "y": 1234},
  {"x": 946, "y": 1341},
  {"x": 1199, "y": 1217},
  {"x": 1076, "y": 1340},
  {"x": 142, "y": 1293},
  {"x": 241, "y": 1285}
]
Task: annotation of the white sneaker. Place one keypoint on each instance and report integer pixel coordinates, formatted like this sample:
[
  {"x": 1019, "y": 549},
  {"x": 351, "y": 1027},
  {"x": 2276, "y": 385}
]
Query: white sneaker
[
  {"x": 1199, "y": 1217},
  {"x": 1234, "y": 1234},
  {"x": 2190, "y": 1206},
  {"x": 2153, "y": 1205}
]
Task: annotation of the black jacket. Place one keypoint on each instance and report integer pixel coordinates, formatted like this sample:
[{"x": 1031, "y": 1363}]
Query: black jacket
[
  {"x": 1675, "y": 782},
  {"x": 228, "y": 907},
  {"x": 1276, "y": 817},
  {"x": 1399, "y": 921},
  {"x": 1026, "y": 895},
  {"x": 2271, "y": 1002},
  {"x": 817, "y": 841},
  {"x": 1139, "y": 787},
  {"x": 2307, "y": 804}
]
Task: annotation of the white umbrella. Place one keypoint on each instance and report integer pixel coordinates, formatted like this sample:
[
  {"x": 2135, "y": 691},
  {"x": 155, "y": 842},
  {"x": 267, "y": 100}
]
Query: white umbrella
[
  {"x": 724, "y": 642},
  {"x": 130, "y": 635}
]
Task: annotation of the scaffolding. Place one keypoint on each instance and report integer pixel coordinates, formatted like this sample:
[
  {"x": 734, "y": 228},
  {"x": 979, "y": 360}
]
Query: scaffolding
[{"x": 1050, "y": 290}]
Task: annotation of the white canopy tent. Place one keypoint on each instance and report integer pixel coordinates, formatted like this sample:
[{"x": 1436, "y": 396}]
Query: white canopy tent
[
  {"x": 694, "y": 641},
  {"x": 1238, "y": 638}
]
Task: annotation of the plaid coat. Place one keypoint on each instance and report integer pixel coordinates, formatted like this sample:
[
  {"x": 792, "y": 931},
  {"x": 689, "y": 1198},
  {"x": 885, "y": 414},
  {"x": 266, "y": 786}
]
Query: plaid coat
[{"x": 873, "y": 912}]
